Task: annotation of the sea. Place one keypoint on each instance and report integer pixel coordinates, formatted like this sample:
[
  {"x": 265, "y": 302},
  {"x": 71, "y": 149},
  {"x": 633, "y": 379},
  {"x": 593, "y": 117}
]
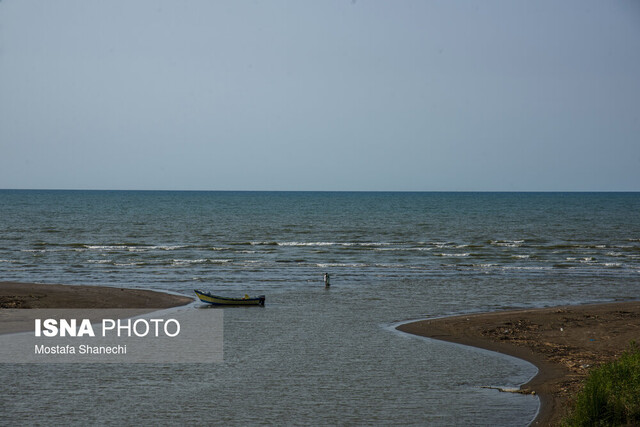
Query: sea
[{"x": 314, "y": 356}]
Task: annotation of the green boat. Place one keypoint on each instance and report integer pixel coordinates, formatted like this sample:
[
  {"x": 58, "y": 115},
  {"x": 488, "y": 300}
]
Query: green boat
[{"x": 209, "y": 298}]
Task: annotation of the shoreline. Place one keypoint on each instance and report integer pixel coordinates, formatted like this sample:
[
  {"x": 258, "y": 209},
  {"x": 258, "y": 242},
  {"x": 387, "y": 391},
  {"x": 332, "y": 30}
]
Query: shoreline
[
  {"x": 563, "y": 342},
  {"x": 37, "y": 295},
  {"x": 18, "y": 296}
]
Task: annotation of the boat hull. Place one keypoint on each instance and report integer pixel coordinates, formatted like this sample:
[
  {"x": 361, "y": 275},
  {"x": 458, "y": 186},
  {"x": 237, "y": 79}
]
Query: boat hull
[{"x": 217, "y": 300}]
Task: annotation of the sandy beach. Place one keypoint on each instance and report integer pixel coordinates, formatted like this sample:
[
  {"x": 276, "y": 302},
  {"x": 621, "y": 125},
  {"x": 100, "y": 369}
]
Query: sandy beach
[
  {"x": 34, "y": 295},
  {"x": 562, "y": 342},
  {"x": 17, "y": 295}
]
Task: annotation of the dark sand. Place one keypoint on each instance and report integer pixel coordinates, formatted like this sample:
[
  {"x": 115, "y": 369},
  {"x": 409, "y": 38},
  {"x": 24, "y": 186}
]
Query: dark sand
[
  {"x": 33, "y": 295},
  {"x": 563, "y": 342},
  {"x": 16, "y": 296}
]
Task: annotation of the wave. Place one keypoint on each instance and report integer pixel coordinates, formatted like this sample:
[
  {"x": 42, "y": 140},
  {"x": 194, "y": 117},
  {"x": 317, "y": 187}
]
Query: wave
[
  {"x": 338, "y": 264},
  {"x": 582, "y": 260},
  {"x": 132, "y": 247},
  {"x": 400, "y": 246},
  {"x": 441, "y": 245},
  {"x": 520, "y": 267},
  {"x": 307, "y": 244},
  {"x": 494, "y": 266},
  {"x": 613, "y": 264},
  {"x": 107, "y": 247},
  {"x": 167, "y": 247},
  {"x": 199, "y": 261},
  {"x": 404, "y": 249},
  {"x": 588, "y": 246},
  {"x": 302, "y": 244},
  {"x": 507, "y": 243}
]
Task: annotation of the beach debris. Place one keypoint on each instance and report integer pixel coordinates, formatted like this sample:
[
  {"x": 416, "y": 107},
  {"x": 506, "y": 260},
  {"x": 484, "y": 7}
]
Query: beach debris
[{"x": 509, "y": 389}]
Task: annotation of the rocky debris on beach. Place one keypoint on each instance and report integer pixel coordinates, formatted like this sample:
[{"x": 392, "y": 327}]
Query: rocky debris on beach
[
  {"x": 547, "y": 339},
  {"x": 16, "y": 301}
]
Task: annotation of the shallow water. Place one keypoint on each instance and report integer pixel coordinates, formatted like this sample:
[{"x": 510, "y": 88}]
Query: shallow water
[{"x": 315, "y": 356}]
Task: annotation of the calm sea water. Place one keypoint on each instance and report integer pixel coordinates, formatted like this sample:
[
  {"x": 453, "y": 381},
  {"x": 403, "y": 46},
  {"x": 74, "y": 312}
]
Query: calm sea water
[{"x": 315, "y": 356}]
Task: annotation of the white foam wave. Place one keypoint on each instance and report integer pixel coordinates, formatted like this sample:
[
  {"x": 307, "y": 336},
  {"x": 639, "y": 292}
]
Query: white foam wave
[
  {"x": 511, "y": 267},
  {"x": 507, "y": 243},
  {"x": 441, "y": 245},
  {"x": 132, "y": 248},
  {"x": 198, "y": 261},
  {"x": 404, "y": 249},
  {"x": 345, "y": 244},
  {"x": 338, "y": 264},
  {"x": 105, "y": 247},
  {"x": 307, "y": 243}
]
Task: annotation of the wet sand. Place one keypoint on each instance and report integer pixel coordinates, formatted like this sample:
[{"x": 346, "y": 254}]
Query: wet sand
[
  {"x": 34, "y": 295},
  {"x": 15, "y": 296},
  {"x": 564, "y": 343}
]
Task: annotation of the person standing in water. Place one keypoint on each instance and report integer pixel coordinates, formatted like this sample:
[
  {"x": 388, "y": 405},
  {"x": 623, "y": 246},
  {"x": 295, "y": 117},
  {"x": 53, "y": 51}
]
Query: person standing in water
[{"x": 326, "y": 280}]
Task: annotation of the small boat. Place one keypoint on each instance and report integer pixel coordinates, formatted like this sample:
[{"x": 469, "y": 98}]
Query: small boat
[{"x": 209, "y": 298}]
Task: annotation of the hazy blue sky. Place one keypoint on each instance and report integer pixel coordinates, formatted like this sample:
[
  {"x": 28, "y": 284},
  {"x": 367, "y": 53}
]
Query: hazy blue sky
[{"x": 320, "y": 95}]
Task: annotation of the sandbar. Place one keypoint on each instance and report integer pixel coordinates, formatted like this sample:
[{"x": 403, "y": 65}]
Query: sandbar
[
  {"x": 564, "y": 343},
  {"x": 16, "y": 296},
  {"x": 37, "y": 295}
]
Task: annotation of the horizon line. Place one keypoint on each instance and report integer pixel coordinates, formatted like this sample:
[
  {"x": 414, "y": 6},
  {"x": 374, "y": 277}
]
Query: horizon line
[{"x": 319, "y": 191}]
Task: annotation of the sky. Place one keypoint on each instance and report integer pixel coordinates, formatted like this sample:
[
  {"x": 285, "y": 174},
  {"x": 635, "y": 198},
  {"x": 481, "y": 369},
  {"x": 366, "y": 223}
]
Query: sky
[{"x": 331, "y": 95}]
